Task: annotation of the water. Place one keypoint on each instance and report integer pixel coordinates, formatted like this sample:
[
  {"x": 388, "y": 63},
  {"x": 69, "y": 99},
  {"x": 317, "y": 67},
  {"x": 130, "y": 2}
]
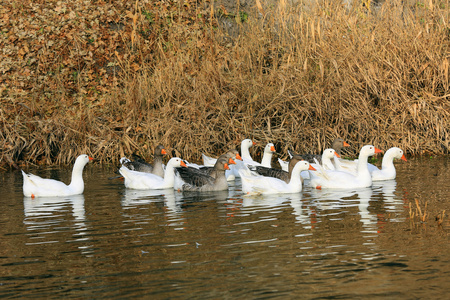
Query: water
[{"x": 117, "y": 243}]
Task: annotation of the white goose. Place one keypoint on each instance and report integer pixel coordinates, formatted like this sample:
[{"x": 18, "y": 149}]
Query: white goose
[
  {"x": 248, "y": 160},
  {"x": 245, "y": 146},
  {"x": 138, "y": 164},
  {"x": 335, "y": 179},
  {"x": 327, "y": 155},
  {"x": 256, "y": 184},
  {"x": 337, "y": 145},
  {"x": 326, "y": 163},
  {"x": 147, "y": 181},
  {"x": 387, "y": 171},
  {"x": 35, "y": 186},
  {"x": 269, "y": 150},
  {"x": 245, "y": 156}
]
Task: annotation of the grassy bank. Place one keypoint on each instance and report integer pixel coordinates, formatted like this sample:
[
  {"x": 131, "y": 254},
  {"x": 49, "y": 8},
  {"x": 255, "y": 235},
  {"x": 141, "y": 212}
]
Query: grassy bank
[{"x": 110, "y": 79}]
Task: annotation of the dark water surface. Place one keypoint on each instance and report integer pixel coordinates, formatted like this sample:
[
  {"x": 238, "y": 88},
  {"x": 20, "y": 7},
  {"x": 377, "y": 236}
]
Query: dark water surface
[{"x": 117, "y": 243}]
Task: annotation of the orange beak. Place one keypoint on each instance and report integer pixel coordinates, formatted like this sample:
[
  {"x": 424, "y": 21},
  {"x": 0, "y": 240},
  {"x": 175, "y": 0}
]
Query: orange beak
[
  {"x": 272, "y": 148},
  {"x": 311, "y": 168},
  {"x": 335, "y": 153},
  {"x": 183, "y": 164},
  {"x": 254, "y": 144},
  {"x": 238, "y": 156},
  {"x": 163, "y": 151},
  {"x": 404, "y": 157},
  {"x": 377, "y": 150},
  {"x": 225, "y": 166},
  {"x": 346, "y": 144},
  {"x": 90, "y": 158},
  {"x": 231, "y": 161}
]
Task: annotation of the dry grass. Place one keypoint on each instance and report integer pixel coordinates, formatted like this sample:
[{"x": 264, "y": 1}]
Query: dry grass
[
  {"x": 295, "y": 77},
  {"x": 420, "y": 214}
]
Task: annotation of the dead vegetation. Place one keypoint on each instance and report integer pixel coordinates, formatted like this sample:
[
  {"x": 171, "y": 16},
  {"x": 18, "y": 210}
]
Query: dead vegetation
[
  {"x": 110, "y": 79},
  {"x": 422, "y": 217}
]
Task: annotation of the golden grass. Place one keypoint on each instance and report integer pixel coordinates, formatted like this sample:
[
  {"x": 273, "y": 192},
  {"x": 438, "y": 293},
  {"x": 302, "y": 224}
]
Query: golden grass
[
  {"x": 293, "y": 76},
  {"x": 420, "y": 214},
  {"x": 417, "y": 213}
]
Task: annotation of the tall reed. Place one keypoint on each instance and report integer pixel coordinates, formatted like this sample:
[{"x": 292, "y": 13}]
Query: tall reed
[{"x": 291, "y": 74}]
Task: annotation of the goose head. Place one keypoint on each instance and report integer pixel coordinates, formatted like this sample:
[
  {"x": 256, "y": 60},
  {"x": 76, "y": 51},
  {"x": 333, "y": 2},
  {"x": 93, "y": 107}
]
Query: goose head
[
  {"x": 83, "y": 159},
  {"x": 302, "y": 165},
  {"x": 176, "y": 162},
  {"x": 369, "y": 150},
  {"x": 330, "y": 153},
  {"x": 247, "y": 143},
  {"x": 233, "y": 153},
  {"x": 338, "y": 144},
  {"x": 397, "y": 153},
  {"x": 223, "y": 163},
  {"x": 160, "y": 150},
  {"x": 269, "y": 149}
]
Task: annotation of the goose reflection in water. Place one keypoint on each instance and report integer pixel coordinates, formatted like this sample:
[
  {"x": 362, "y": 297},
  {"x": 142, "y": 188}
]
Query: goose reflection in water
[
  {"x": 47, "y": 206},
  {"x": 339, "y": 200},
  {"x": 48, "y": 212},
  {"x": 330, "y": 199},
  {"x": 172, "y": 200},
  {"x": 302, "y": 213},
  {"x": 270, "y": 200},
  {"x": 387, "y": 190},
  {"x": 368, "y": 220}
]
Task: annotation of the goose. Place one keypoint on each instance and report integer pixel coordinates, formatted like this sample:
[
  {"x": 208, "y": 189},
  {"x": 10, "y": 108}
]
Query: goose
[
  {"x": 35, "y": 186},
  {"x": 234, "y": 154},
  {"x": 140, "y": 165},
  {"x": 269, "y": 150},
  {"x": 246, "y": 157},
  {"x": 196, "y": 180},
  {"x": 336, "y": 179},
  {"x": 266, "y": 160},
  {"x": 256, "y": 184},
  {"x": 325, "y": 164},
  {"x": 277, "y": 173},
  {"x": 209, "y": 161},
  {"x": 245, "y": 152},
  {"x": 147, "y": 181},
  {"x": 387, "y": 171},
  {"x": 338, "y": 144}
]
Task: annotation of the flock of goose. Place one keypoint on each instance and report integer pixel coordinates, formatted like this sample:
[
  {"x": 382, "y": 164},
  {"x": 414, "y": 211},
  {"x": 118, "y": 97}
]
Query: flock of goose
[{"x": 328, "y": 171}]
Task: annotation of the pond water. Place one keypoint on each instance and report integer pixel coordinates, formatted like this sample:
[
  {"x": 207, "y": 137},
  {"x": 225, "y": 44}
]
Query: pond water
[{"x": 117, "y": 243}]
